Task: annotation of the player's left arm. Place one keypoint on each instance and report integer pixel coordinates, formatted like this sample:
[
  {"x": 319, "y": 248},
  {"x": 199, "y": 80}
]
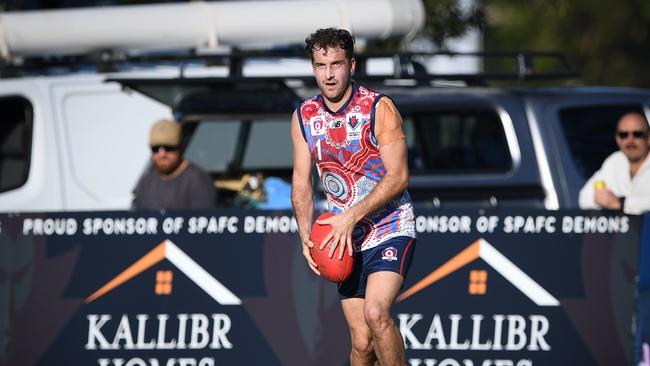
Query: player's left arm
[{"x": 393, "y": 153}]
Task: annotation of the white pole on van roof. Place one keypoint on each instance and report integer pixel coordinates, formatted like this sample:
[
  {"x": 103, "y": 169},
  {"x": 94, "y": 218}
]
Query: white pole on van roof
[{"x": 199, "y": 24}]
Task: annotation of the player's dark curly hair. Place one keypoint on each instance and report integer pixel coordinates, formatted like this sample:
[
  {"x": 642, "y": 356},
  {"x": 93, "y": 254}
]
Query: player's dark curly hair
[{"x": 330, "y": 38}]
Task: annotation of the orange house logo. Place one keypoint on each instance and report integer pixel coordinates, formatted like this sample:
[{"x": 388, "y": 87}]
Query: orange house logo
[
  {"x": 478, "y": 278},
  {"x": 168, "y": 250}
]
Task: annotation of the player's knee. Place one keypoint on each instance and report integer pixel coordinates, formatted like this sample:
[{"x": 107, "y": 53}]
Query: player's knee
[
  {"x": 362, "y": 346},
  {"x": 377, "y": 318}
]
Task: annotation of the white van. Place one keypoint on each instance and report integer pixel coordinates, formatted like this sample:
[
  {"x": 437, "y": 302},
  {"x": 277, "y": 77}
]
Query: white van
[
  {"x": 78, "y": 142},
  {"x": 72, "y": 142}
]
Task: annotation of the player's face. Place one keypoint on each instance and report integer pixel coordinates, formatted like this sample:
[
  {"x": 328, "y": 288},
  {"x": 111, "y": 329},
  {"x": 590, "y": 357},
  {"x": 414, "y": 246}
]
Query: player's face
[
  {"x": 166, "y": 159},
  {"x": 632, "y": 137},
  {"x": 333, "y": 72}
]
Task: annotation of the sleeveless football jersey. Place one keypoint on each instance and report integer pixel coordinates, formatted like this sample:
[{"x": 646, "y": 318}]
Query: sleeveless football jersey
[{"x": 346, "y": 153}]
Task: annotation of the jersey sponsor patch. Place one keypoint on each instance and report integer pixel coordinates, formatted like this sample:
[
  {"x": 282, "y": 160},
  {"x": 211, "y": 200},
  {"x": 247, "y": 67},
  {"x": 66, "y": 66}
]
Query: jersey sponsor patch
[
  {"x": 389, "y": 254},
  {"x": 354, "y": 122},
  {"x": 317, "y": 126},
  {"x": 337, "y": 134}
]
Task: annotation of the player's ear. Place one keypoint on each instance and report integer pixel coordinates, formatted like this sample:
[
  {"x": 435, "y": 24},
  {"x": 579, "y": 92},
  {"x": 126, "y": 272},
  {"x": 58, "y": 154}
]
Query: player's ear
[{"x": 353, "y": 65}]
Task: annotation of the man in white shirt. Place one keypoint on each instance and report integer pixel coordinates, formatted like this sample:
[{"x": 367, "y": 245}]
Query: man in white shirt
[{"x": 623, "y": 181}]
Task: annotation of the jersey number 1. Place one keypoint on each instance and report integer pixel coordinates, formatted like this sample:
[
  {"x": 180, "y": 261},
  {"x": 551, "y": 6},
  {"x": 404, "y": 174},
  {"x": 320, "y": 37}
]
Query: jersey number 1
[{"x": 318, "y": 149}]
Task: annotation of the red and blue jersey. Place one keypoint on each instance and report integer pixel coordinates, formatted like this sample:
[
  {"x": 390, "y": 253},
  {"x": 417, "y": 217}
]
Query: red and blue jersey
[{"x": 346, "y": 153}]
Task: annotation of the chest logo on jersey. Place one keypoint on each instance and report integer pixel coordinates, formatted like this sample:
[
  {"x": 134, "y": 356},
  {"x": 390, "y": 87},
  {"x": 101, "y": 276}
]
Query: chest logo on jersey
[
  {"x": 317, "y": 126},
  {"x": 340, "y": 132},
  {"x": 337, "y": 134},
  {"x": 354, "y": 122}
]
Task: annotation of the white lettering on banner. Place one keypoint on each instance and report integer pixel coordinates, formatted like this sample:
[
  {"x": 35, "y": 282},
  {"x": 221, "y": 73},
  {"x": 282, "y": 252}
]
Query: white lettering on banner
[
  {"x": 95, "y": 323},
  {"x": 172, "y": 225},
  {"x": 120, "y": 226},
  {"x": 487, "y": 224},
  {"x": 222, "y": 327},
  {"x": 498, "y": 327},
  {"x": 287, "y": 224},
  {"x": 476, "y": 334},
  {"x": 270, "y": 224},
  {"x": 443, "y": 224},
  {"x": 597, "y": 224},
  {"x": 453, "y": 338},
  {"x": 123, "y": 334},
  {"x": 521, "y": 333},
  {"x": 199, "y": 338},
  {"x": 204, "y": 331},
  {"x": 184, "y": 361},
  {"x": 38, "y": 227},
  {"x": 213, "y": 225},
  {"x": 142, "y": 325},
  {"x": 541, "y": 325},
  {"x": 529, "y": 224},
  {"x": 162, "y": 331},
  {"x": 516, "y": 333},
  {"x": 182, "y": 323}
]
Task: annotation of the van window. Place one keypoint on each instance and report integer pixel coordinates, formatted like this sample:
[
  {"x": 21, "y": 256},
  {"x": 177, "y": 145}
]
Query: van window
[
  {"x": 589, "y": 132},
  {"x": 457, "y": 142},
  {"x": 269, "y": 146},
  {"x": 233, "y": 145},
  {"x": 15, "y": 141},
  {"x": 212, "y": 145}
]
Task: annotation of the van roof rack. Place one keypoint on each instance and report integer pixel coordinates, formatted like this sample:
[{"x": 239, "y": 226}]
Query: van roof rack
[{"x": 508, "y": 65}]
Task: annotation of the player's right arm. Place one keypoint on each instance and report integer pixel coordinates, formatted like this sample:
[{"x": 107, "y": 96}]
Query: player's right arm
[{"x": 302, "y": 195}]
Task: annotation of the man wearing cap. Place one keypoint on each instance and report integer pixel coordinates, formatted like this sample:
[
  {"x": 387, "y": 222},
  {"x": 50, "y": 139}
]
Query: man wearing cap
[
  {"x": 172, "y": 182},
  {"x": 623, "y": 181}
]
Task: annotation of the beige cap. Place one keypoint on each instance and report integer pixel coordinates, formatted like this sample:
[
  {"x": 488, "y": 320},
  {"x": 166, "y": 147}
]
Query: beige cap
[{"x": 165, "y": 132}]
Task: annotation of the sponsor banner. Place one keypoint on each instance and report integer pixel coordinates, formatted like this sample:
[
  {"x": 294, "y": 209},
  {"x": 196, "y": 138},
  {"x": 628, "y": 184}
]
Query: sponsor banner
[{"x": 231, "y": 287}]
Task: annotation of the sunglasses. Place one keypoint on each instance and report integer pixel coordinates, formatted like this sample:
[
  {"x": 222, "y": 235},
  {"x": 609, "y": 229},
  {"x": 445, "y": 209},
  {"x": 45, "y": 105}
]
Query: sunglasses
[
  {"x": 637, "y": 134},
  {"x": 155, "y": 148}
]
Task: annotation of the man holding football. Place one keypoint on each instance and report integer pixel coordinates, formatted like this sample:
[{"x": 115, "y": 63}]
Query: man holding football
[{"x": 355, "y": 138}]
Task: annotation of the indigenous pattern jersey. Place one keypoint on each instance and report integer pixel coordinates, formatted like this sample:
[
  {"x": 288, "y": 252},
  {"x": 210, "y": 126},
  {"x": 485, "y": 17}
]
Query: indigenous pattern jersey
[{"x": 346, "y": 153}]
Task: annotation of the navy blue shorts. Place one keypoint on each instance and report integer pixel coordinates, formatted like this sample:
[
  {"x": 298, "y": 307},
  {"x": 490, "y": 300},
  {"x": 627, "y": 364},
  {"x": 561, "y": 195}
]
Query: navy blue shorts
[{"x": 393, "y": 255}]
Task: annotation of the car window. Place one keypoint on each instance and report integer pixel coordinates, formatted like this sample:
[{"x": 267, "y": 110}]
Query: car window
[
  {"x": 457, "y": 142},
  {"x": 15, "y": 142},
  {"x": 248, "y": 144},
  {"x": 443, "y": 142},
  {"x": 213, "y": 143},
  {"x": 269, "y": 145},
  {"x": 589, "y": 132}
]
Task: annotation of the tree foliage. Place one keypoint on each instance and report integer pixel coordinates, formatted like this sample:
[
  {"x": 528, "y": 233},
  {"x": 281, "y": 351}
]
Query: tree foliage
[
  {"x": 607, "y": 41},
  {"x": 447, "y": 19}
]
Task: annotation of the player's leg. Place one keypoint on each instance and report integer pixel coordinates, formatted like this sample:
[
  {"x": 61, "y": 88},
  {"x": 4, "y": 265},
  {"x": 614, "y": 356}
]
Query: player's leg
[
  {"x": 381, "y": 289},
  {"x": 386, "y": 270},
  {"x": 362, "y": 353}
]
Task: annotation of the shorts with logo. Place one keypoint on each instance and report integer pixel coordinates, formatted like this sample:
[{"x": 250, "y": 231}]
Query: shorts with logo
[{"x": 393, "y": 255}]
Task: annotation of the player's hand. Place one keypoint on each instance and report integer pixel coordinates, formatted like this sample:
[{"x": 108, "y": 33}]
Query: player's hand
[
  {"x": 341, "y": 234},
  {"x": 607, "y": 199},
  {"x": 306, "y": 245}
]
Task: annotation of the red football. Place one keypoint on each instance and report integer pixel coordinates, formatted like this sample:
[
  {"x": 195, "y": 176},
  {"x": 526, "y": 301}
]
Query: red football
[{"x": 332, "y": 269}]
